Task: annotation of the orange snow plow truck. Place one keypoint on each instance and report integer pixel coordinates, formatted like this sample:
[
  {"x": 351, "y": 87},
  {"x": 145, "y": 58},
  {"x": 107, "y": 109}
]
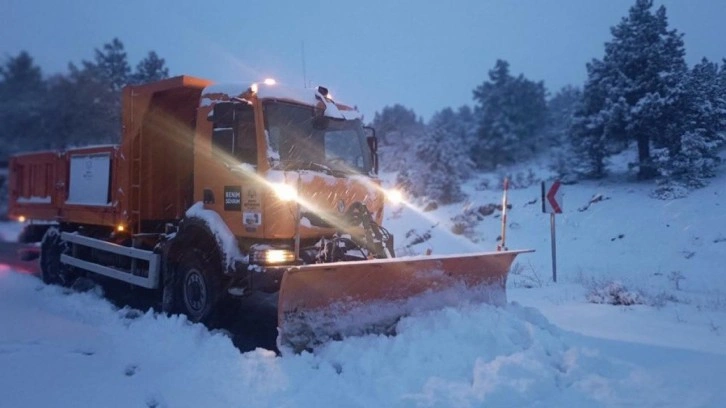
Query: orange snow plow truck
[{"x": 217, "y": 191}]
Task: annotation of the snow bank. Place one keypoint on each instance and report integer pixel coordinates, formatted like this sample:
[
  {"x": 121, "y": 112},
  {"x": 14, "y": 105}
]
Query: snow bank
[{"x": 74, "y": 349}]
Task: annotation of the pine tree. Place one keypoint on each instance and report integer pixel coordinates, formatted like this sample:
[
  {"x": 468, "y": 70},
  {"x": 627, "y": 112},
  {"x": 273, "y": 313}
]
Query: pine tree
[
  {"x": 721, "y": 87},
  {"x": 22, "y": 99},
  {"x": 21, "y": 74},
  {"x": 722, "y": 80},
  {"x": 633, "y": 93},
  {"x": 66, "y": 110},
  {"x": 441, "y": 160},
  {"x": 86, "y": 110},
  {"x": 397, "y": 128},
  {"x": 394, "y": 122},
  {"x": 94, "y": 90},
  {"x": 467, "y": 125},
  {"x": 561, "y": 110},
  {"x": 511, "y": 113},
  {"x": 693, "y": 157},
  {"x": 112, "y": 64},
  {"x": 150, "y": 69}
]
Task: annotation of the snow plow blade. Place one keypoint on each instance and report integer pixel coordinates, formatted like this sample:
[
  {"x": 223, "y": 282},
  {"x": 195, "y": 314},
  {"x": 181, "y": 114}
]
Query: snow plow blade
[{"x": 323, "y": 302}]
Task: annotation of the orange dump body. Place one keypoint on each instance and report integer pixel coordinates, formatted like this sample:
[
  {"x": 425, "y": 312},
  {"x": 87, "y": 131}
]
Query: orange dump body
[{"x": 141, "y": 182}]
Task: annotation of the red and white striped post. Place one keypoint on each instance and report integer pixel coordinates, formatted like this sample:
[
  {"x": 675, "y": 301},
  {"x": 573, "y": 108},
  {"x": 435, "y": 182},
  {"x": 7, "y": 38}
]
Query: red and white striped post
[{"x": 503, "y": 244}]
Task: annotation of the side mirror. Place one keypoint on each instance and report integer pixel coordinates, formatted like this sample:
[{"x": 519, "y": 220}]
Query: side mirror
[
  {"x": 223, "y": 114},
  {"x": 373, "y": 146}
]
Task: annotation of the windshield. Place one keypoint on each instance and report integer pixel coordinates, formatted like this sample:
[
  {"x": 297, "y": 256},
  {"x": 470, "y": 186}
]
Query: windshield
[{"x": 293, "y": 142}]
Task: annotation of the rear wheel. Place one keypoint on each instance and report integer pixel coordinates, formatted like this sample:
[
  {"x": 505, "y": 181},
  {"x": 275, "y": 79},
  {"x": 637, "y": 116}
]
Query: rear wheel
[
  {"x": 198, "y": 288},
  {"x": 52, "y": 270}
]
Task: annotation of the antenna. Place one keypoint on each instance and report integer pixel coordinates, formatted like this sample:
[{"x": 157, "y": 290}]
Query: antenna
[{"x": 305, "y": 80}]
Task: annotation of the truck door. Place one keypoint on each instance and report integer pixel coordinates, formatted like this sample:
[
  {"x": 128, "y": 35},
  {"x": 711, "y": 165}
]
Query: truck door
[{"x": 235, "y": 160}]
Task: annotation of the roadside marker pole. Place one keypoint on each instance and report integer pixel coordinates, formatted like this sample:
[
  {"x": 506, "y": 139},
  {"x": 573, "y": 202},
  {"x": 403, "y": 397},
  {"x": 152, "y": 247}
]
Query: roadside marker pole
[
  {"x": 503, "y": 245},
  {"x": 552, "y": 203},
  {"x": 554, "y": 248}
]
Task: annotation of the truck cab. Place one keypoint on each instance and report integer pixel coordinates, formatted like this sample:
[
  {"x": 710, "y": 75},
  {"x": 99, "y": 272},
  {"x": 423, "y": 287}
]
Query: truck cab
[
  {"x": 281, "y": 177},
  {"x": 282, "y": 166}
]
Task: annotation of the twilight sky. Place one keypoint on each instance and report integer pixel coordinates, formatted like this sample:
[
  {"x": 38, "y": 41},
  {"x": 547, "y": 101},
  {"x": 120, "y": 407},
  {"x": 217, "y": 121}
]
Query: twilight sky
[{"x": 424, "y": 54}]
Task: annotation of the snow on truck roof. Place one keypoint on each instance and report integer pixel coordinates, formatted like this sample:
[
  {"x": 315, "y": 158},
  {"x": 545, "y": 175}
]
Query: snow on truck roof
[{"x": 265, "y": 90}]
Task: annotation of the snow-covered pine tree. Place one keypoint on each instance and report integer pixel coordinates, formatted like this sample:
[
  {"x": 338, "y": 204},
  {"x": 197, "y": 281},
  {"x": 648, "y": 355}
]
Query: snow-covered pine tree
[
  {"x": 467, "y": 125},
  {"x": 593, "y": 124},
  {"x": 441, "y": 160},
  {"x": 721, "y": 84},
  {"x": 397, "y": 128},
  {"x": 457, "y": 132},
  {"x": 561, "y": 109},
  {"x": 693, "y": 157},
  {"x": 634, "y": 93},
  {"x": 511, "y": 112}
]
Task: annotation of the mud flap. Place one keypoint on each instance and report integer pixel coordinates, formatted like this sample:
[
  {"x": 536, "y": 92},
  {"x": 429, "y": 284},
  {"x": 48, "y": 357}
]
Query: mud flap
[{"x": 323, "y": 302}]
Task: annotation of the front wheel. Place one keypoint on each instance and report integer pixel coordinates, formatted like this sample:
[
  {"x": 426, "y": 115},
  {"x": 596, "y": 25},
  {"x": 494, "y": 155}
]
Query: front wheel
[
  {"x": 52, "y": 271},
  {"x": 198, "y": 286}
]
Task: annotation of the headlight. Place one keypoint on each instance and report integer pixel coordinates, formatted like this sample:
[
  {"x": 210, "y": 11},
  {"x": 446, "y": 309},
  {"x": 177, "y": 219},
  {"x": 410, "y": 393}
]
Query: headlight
[
  {"x": 394, "y": 196},
  {"x": 284, "y": 192},
  {"x": 274, "y": 257}
]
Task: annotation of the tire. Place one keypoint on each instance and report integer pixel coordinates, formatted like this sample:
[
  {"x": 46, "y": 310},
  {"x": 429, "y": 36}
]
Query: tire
[
  {"x": 198, "y": 287},
  {"x": 52, "y": 271}
]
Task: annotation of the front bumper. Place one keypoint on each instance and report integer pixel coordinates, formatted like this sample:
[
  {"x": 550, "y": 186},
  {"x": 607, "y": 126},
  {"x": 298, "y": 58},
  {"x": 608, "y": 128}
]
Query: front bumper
[
  {"x": 258, "y": 278},
  {"x": 266, "y": 279}
]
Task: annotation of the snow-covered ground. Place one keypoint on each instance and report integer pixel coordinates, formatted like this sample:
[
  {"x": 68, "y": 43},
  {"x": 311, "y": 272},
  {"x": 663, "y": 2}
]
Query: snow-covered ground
[{"x": 554, "y": 344}]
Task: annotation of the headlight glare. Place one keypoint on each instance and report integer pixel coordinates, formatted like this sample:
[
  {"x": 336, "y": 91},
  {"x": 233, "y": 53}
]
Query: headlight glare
[
  {"x": 285, "y": 192},
  {"x": 394, "y": 196},
  {"x": 274, "y": 257}
]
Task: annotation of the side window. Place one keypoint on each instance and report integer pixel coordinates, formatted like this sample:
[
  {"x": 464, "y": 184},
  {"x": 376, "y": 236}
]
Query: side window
[
  {"x": 246, "y": 143},
  {"x": 223, "y": 140},
  {"x": 234, "y": 135},
  {"x": 223, "y": 132}
]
